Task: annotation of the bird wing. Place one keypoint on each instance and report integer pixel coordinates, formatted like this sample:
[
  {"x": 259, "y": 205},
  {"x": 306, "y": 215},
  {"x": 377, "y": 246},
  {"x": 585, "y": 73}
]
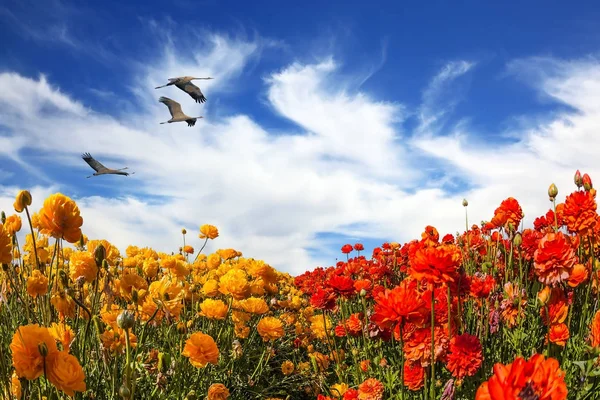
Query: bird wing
[
  {"x": 173, "y": 106},
  {"x": 193, "y": 90},
  {"x": 92, "y": 162}
]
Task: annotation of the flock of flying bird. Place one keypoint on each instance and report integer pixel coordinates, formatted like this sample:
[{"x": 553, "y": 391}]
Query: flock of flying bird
[{"x": 177, "y": 115}]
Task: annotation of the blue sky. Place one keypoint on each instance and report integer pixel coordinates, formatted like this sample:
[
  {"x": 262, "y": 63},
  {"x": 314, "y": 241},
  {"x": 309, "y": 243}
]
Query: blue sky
[{"x": 326, "y": 123}]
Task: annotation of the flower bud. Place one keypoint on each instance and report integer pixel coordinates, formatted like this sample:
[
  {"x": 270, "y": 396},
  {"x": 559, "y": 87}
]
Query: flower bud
[
  {"x": 517, "y": 240},
  {"x": 577, "y": 179},
  {"x": 124, "y": 392},
  {"x": 544, "y": 295},
  {"x": 99, "y": 324},
  {"x": 43, "y": 349},
  {"x": 3, "y": 217},
  {"x": 64, "y": 279},
  {"x": 183, "y": 231},
  {"x": 465, "y": 203},
  {"x": 23, "y": 200},
  {"x": 164, "y": 361},
  {"x": 126, "y": 320},
  {"x": 552, "y": 192},
  {"x": 191, "y": 395},
  {"x": 587, "y": 182},
  {"x": 181, "y": 328},
  {"x": 99, "y": 255}
]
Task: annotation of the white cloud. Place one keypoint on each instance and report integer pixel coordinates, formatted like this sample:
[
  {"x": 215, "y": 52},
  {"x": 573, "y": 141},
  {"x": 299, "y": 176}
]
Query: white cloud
[{"x": 347, "y": 168}]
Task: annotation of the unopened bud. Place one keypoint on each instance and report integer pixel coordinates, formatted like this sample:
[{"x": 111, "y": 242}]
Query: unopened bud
[
  {"x": 181, "y": 328},
  {"x": 82, "y": 243},
  {"x": 578, "y": 180},
  {"x": 164, "y": 361},
  {"x": 64, "y": 279},
  {"x": 126, "y": 319},
  {"x": 465, "y": 203},
  {"x": 587, "y": 182},
  {"x": 363, "y": 292},
  {"x": 3, "y": 217},
  {"x": 99, "y": 255},
  {"x": 183, "y": 231},
  {"x": 517, "y": 240},
  {"x": 124, "y": 392},
  {"x": 43, "y": 349},
  {"x": 552, "y": 192},
  {"x": 134, "y": 296}
]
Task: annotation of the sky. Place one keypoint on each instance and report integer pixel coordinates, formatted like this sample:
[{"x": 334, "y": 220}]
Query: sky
[{"x": 326, "y": 122}]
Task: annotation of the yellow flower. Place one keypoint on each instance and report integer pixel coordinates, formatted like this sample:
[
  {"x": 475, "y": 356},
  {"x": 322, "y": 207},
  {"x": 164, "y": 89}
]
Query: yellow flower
[
  {"x": 210, "y": 288},
  {"x": 27, "y": 343},
  {"x": 113, "y": 339},
  {"x": 208, "y": 232},
  {"x": 254, "y": 305},
  {"x": 287, "y": 367},
  {"x": 83, "y": 263},
  {"x": 270, "y": 328},
  {"x": 63, "y": 333},
  {"x": 318, "y": 326},
  {"x": 234, "y": 282},
  {"x": 228, "y": 254},
  {"x": 12, "y": 224},
  {"x": 37, "y": 284},
  {"x": 213, "y": 309},
  {"x": 150, "y": 267},
  {"x": 64, "y": 305},
  {"x": 201, "y": 349},
  {"x": 213, "y": 261},
  {"x": 59, "y": 218},
  {"x": 5, "y": 246},
  {"x": 218, "y": 391},
  {"x": 23, "y": 200},
  {"x": 16, "y": 385},
  {"x": 339, "y": 389},
  {"x": 64, "y": 371},
  {"x": 112, "y": 253},
  {"x": 188, "y": 249}
]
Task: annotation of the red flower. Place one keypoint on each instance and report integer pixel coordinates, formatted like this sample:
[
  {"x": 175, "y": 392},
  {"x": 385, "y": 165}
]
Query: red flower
[
  {"x": 342, "y": 285},
  {"x": 465, "y": 357},
  {"x": 537, "y": 378},
  {"x": 414, "y": 376},
  {"x": 509, "y": 213},
  {"x": 436, "y": 264},
  {"x": 351, "y": 394},
  {"x": 354, "y": 324},
  {"x": 397, "y": 306},
  {"x": 347, "y": 248},
  {"x": 554, "y": 258},
  {"x": 359, "y": 247},
  {"x": 482, "y": 285},
  {"x": 580, "y": 211},
  {"x": 323, "y": 299}
]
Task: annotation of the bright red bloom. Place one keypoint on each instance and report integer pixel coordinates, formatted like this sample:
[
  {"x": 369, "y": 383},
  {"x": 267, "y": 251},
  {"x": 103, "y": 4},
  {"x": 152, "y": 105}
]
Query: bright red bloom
[
  {"x": 354, "y": 324},
  {"x": 482, "y": 285},
  {"x": 436, "y": 264},
  {"x": 587, "y": 182},
  {"x": 448, "y": 239},
  {"x": 559, "y": 334},
  {"x": 347, "y": 248},
  {"x": 323, "y": 300},
  {"x": 397, "y": 306},
  {"x": 554, "y": 258},
  {"x": 362, "y": 284},
  {"x": 538, "y": 378},
  {"x": 414, "y": 376},
  {"x": 530, "y": 242},
  {"x": 465, "y": 356},
  {"x": 509, "y": 213},
  {"x": 351, "y": 394},
  {"x": 359, "y": 247},
  {"x": 430, "y": 237},
  {"x": 580, "y": 211},
  {"x": 342, "y": 285}
]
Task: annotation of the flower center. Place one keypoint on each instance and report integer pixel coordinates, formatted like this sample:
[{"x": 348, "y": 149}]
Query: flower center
[{"x": 528, "y": 393}]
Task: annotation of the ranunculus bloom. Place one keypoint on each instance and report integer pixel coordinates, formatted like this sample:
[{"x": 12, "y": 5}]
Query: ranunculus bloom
[
  {"x": 213, "y": 309},
  {"x": 208, "y": 232},
  {"x": 83, "y": 264},
  {"x": 235, "y": 282},
  {"x": 188, "y": 249},
  {"x": 347, "y": 248},
  {"x": 580, "y": 211},
  {"x": 579, "y": 274},
  {"x": 508, "y": 214},
  {"x": 254, "y": 305},
  {"x": 37, "y": 284},
  {"x": 59, "y": 218},
  {"x": 12, "y": 224},
  {"x": 370, "y": 389},
  {"x": 201, "y": 349},
  {"x": 270, "y": 328},
  {"x": 287, "y": 367},
  {"x": 595, "y": 330},
  {"x": 559, "y": 334},
  {"x": 22, "y": 200},
  {"x": 465, "y": 355},
  {"x": 323, "y": 299},
  {"x": 63, "y": 333},
  {"x": 436, "y": 264},
  {"x": 538, "y": 377},
  {"x": 397, "y": 306},
  {"x": 25, "y": 348},
  {"x": 359, "y": 247},
  {"x": 64, "y": 371},
  {"x": 414, "y": 376},
  {"x": 341, "y": 285},
  {"x": 554, "y": 258},
  {"x": 5, "y": 246},
  {"x": 218, "y": 391}
]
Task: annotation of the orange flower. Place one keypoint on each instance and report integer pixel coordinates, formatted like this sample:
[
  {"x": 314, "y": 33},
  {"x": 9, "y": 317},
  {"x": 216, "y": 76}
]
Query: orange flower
[
  {"x": 354, "y": 324},
  {"x": 27, "y": 343},
  {"x": 270, "y": 328},
  {"x": 364, "y": 365},
  {"x": 15, "y": 385},
  {"x": 580, "y": 211},
  {"x": 559, "y": 334},
  {"x": 213, "y": 309},
  {"x": 208, "y": 232},
  {"x": 5, "y": 246},
  {"x": 13, "y": 224},
  {"x": 65, "y": 372},
  {"x": 201, "y": 349},
  {"x": 254, "y": 305},
  {"x": 188, "y": 249},
  {"x": 400, "y": 305},
  {"x": 414, "y": 376},
  {"x": 22, "y": 200},
  {"x": 63, "y": 333},
  {"x": 508, "y": 214},
  {"x": 64, "y": 305},
  {"x": 113, "y": 339},
  {"x": 37, "y": 284},
  {"x": 59, "y": 218},
  {"x": 287, "y": 367},
  {"x": 538, "y": 378},
  {"x": 82, "y": 263},
  {"x": 579, "y": 274},
  {"x": 465, "y": 355},
  {"x": 436, "y": 264},
  {"x": 554, "y": 258},
  {"x": 218, "y": 391},
  {"x": 235, "y": 282},
  {"x": 556, "y": 308},
  {"x": 370, "y": 389},
  {"x": 595, "y": 330}
]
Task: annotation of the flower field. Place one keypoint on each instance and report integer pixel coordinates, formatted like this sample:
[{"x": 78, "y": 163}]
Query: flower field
[{"x": 499, "y": 311}]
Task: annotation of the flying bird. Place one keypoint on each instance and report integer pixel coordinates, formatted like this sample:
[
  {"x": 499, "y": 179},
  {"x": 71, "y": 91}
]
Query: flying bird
[
  {"x": 101, "y": 169},
  {"x": 176, "y": 114},
  {"x": 185, "y": 83}
]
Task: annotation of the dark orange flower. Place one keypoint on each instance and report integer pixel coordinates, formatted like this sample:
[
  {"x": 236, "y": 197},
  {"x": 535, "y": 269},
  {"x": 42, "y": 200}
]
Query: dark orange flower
[
  {"x": 59, "y": 218},
  {"x": 580, "y": 211},
  {"x": 595, "y": 330},
  {"x": 508, "y": 214},
  {"x": 559, "y": 334},
  {"x": 370, "y": 389},
  {"x": 351, "y": 394},
  {"x": 5, "y": 246},
  {"x": 579, "y": 274},
  {"x": 354, "y": 324},
  {"x": 414, "y": 376},
  {"x": 465, "y": 356},
  {"x": 342, "y": 285},
  {"x": 397, "y": 306},
  {"x": 347, "y": 248},
  {"x": 537, "y": 378},
  {"x": 436, "y": 264},
  {"x": 482, "y": 285},
  {"x": 556, "y": 308},
  {"x": 323, "y": 299},
  {"x": 554, "y": 258}
]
